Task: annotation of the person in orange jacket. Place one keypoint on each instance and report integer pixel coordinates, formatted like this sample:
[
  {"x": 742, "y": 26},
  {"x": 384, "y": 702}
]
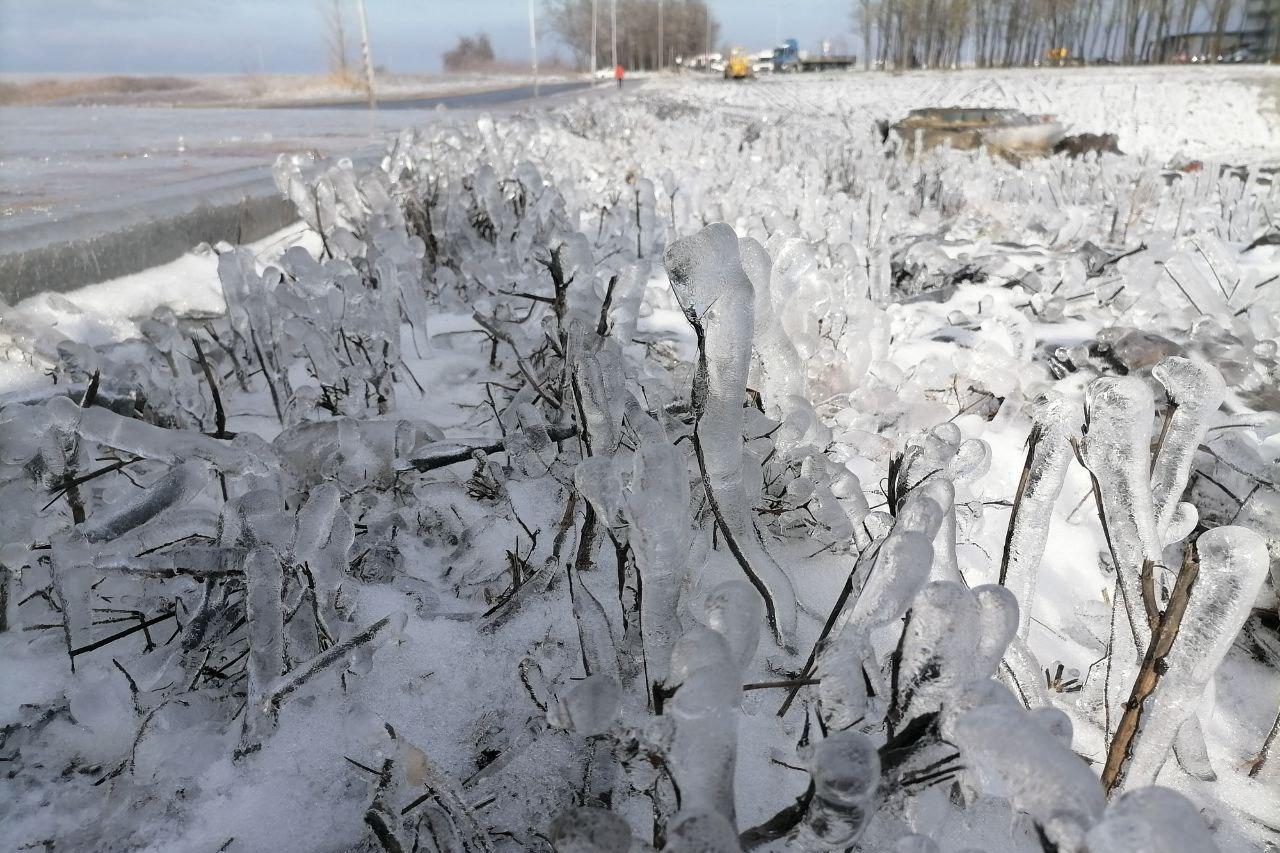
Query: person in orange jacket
[{"x": 618, "y": 72}]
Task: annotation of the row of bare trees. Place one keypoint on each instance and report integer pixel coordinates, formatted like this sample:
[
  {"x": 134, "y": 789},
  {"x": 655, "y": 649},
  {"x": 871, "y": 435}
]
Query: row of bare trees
[
  {"x": 651, "y": 33},
  {"x": 990, "y": 33}
]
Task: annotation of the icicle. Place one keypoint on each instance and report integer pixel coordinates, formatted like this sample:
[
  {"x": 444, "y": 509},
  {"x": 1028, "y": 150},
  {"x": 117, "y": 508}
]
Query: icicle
[
  {"x": 939, "y": 649},
  {"x": 264, "y": 615},
  {"x": 842, "y": 689},
  {"x": 942, "y": 491},
  {"x": 716, "y": 296},
  {"x": 71, "y": 564},
  {"x": 1151, "y": 820},
  {"x": 589, "y": 707},
  {"x": 172, "y": 491},
  {"x": 705, "y": 709},
  {"x": 900, "y": 569},
  {"x": 1049, "y": 455},
  {"x": 1195, "y": 390},
  {"x": 1007, "y": 753},
  {"x": 734, "y": 610},
  {"x": 845, "y": 768},
  {"x": 153, "y": 442},
  {"x": 628, "y": 296},
  {"x": 1117, "y": 450},
  {"x": 998, "y": 621},
  {"x": 656, "y": 507},
  {"x": 775, "y": 356}
]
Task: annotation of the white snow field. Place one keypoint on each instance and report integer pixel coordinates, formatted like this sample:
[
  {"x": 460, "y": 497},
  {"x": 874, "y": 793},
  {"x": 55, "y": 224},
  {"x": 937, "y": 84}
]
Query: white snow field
[{"x": 684, "y": 471}]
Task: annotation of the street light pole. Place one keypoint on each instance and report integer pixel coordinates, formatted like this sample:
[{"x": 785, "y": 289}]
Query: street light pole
[
  {"x": 594, "y": 17},
  {"x": 533, "y": 46},
  {"x": 614, "y": 26},
  {"x": 368, "y": 56},
  {"x": 706, "y": 7}
]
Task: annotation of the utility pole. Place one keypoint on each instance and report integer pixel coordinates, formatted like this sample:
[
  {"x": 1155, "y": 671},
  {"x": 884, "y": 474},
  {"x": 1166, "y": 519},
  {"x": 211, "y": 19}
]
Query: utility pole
[
  {"x": 661, "y": 57},
  {"x": 614, "y": 25},
  {"x": 368, "y": 56},
  {"x": 533, "y": 46},
  {"x": 594, "y": 29},
  {"x": 706, "y": 7}
]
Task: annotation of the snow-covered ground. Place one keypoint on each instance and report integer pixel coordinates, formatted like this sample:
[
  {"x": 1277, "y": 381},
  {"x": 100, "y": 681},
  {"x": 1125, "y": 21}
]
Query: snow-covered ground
[
  {"x": 370, "y": 637},
  {"x": 1221, "y": 113}
]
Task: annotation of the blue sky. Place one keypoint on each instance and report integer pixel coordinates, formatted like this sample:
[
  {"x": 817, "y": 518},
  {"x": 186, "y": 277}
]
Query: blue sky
[{"x": 232, "y": 36}]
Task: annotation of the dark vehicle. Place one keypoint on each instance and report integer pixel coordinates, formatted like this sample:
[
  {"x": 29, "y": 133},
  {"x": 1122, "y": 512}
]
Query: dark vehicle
[{"x": 1244, "y": 54}]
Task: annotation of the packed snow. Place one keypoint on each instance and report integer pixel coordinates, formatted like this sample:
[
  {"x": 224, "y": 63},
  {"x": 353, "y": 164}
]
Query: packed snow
[{"x": 689, "y": 471}]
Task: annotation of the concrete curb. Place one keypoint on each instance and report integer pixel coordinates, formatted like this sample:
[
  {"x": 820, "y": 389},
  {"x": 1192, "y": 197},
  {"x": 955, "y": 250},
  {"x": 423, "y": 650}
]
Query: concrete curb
[{"x": 99, "y": 245}]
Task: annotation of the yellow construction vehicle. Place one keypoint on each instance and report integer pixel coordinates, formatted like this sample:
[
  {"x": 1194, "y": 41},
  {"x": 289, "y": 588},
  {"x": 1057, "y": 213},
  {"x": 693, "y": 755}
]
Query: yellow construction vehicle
[{"x": 739, "y": 65}]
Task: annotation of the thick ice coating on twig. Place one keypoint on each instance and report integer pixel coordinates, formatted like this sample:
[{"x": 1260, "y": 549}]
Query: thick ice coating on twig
[
  {"x": 1117, "y": 451},
  {"x": 705, "y": 709},
  {"x": 716, "y": 296},
  {"x": 1233, "y": 564},
  {"x": 845, "y": 768},
  {"x": 1151, "y": 820},
  {"x": 775, "y": 359},
  {"x": 1195, "y": 390},
  {"x": 1048, "y": 455},
  {"x": 901, "y": 568},
  {"x": 1009, "y": 754},
  {"x": 939, "y": 648},
  {"x": 656, "y": 507}
]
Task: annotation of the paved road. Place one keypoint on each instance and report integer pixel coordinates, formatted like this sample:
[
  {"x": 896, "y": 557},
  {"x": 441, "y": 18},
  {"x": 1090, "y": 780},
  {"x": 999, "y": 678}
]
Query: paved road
[{"x": 91, "y": 193}]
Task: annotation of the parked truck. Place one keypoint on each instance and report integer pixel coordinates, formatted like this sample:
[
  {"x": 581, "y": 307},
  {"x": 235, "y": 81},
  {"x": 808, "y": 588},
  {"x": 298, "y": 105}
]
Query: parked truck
[{"x": 789, "y": 57}]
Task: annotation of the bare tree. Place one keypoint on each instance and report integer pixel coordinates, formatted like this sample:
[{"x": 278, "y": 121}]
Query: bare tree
[
  {"x": 469, "y": 53},
  {"x": 335, "y": 26},
  {"x": 866, "y": 14},
  {"x": 687, "y": 26},
  {"x": 990, "y": 33}
]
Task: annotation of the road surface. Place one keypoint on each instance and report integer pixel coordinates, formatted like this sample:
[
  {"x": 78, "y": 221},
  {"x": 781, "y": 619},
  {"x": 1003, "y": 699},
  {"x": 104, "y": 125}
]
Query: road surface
[
  {"x": 470, "y": 100},
  {"x": 93, "y": 193}
]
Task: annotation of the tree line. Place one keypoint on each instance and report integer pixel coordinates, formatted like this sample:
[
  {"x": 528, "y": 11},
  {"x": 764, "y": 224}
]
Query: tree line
[
  {"x": 687, "y": 28},
  {"x": 995, "y": 33}
]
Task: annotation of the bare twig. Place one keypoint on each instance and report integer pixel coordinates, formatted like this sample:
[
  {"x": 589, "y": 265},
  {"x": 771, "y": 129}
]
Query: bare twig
[
  {"x": 1032, "y": 439},
  {"x": 775, "y": 685},
  {"x": 1255, "y": 766},
  {"x": 739, "y": 556},
  {"x": 780, "y": 824},
  {"x": 119, "y": 635},
  {"x": 836, "y": 609},
  {"x": 452, "y": 452},
  {"x": 219, "y": 414},
  {"x": 309, "y": 670}
]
